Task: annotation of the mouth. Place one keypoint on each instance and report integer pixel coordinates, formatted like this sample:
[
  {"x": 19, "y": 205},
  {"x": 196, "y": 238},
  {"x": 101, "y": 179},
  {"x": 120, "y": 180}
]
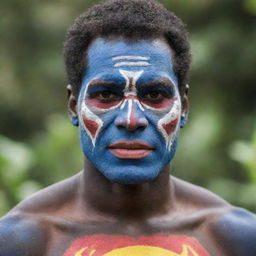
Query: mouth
[{"x": 127, "y": 149}]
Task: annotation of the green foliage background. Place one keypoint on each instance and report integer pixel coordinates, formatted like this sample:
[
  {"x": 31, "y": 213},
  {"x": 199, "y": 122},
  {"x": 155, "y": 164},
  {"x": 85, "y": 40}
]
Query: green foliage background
[{"x": 38, "y": 146}]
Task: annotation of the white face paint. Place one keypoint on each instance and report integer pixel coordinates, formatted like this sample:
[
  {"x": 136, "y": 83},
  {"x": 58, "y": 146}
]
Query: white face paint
[
  {"x": 92, "y": 123},
  {"x": 129, "y": 92},
  {"x": 131, "y": 61},
  {"x": 132, "y": 58},
  {"x": 170, "y": 122}
]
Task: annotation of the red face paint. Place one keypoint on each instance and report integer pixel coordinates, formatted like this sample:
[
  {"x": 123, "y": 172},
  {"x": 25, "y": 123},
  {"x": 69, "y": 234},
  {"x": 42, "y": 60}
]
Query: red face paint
[
  {"x": 165, "y": 103},
  {"x": 101, "y": 104},
  {"x": 91, "y": 126},
  {"x": 171, "y": 126}
]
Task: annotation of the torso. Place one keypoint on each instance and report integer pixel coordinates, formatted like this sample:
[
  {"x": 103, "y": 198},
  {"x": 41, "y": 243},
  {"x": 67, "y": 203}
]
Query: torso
[
  {"x": 119, "y": 238},
  {"x": 67, "y": 232}
]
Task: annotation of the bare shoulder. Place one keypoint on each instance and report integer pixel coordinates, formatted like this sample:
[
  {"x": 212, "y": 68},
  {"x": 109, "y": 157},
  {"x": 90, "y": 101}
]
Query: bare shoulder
[
  {"x": 25, "y": 230},
  {"x": 51, "y": 198},
  {"x": 235, "y": 229},
  {"x": 232, "y": 228},
  {"x": 21, "y": 235},
  {"x": 197, "y": 197}
]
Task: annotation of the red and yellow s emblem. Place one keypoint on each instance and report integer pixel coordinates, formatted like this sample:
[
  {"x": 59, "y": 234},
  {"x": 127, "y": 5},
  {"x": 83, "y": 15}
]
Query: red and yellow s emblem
[{"x": 119, "y": 245}]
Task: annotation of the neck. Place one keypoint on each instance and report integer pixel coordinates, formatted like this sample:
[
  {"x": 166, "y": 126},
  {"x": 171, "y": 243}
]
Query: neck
[{"x": 127, "y": 201}]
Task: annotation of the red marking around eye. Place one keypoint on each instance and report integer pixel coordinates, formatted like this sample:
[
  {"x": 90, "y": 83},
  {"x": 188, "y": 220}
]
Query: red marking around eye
[
  {"x": 162, "y": 104},
  {"x": 91, "y": 126},
  {"x": 171, "y": 126},
  {"x": 102, "y": 105}
]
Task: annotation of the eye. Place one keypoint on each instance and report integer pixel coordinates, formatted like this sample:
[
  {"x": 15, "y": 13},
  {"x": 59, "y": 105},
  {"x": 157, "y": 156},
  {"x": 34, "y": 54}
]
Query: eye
[
  {"x": 154, "y": 96},
  {"x": 104, "y": 96}
]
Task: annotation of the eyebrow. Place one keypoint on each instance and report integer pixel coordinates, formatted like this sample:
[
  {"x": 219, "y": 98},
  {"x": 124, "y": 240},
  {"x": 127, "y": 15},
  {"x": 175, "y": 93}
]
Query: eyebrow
[
  {"x": 163, "y": 82},
  {"x": 103, "y": 82}
]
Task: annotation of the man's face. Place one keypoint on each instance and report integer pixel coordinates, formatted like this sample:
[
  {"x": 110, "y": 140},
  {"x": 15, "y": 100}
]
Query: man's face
[{"x": 129, "y": 109}]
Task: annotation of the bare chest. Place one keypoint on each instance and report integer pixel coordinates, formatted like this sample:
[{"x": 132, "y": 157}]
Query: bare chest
[{"x": 120, "y": 239}]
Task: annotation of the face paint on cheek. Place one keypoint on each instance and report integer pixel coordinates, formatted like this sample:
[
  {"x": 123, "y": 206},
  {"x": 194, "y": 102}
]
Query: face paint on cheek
[
  {"x": 92, "y": 124},
  {"x": 169, "y": 124}
]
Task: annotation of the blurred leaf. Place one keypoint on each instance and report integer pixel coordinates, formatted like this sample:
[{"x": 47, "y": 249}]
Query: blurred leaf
[
  {"x": 239, "y": 194},
  {"x": 57, "y": 151},
  {"x": 245, "y": 153},
  {"x": 250, "y": 6},
  {"x": 27, "y": 188},
  {"x": 17, "y": 158}
]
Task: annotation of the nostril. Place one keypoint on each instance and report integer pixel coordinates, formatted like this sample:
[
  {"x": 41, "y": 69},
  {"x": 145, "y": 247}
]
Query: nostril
[
  {"x": 119, "y": 122},
  {"x": 131, "y": 125},
  {"x": 131, "y": 119},
  {"x": 142, "y": 122}
]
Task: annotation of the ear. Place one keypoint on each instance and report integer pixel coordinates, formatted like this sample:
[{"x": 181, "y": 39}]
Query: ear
[
  {"x": 185, "y": 108},
  {"x": 72, "y": 106}
]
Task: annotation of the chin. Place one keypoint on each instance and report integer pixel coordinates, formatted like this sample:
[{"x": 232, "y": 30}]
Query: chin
[{"x": 130, "y": 176}]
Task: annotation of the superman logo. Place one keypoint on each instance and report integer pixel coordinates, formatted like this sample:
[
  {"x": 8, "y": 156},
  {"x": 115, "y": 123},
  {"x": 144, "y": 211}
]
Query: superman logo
[{"x": 119, "y": 245}]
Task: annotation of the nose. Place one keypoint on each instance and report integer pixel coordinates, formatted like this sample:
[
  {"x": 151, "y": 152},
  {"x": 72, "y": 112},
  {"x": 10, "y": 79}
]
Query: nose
[{"x": 131, "y": 117}]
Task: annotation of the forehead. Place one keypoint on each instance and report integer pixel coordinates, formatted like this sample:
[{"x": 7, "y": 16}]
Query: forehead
[{"x": 106, "y": 58}]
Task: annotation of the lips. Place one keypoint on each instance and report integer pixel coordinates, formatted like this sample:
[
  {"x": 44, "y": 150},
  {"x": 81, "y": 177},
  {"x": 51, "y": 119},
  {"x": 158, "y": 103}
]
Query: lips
[{"x": 127, "y": 149}]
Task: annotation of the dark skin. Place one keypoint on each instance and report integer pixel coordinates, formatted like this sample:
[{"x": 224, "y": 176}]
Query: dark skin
[
  {"x": 43, "y": 225},
  {"x": 47, "y": 223}
]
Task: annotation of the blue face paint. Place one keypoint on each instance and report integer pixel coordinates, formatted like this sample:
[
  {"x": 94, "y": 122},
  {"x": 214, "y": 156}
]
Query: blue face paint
[
  {"x": 129, "y": 109},
  {"x": 74, "y": 120}
]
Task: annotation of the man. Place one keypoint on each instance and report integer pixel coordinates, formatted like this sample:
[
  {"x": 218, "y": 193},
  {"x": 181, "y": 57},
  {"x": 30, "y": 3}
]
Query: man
[{"x": 127, "y": 63}]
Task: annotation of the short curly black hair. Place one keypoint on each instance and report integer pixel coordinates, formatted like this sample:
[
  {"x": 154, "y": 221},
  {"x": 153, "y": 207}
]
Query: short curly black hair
[{"x": 131, "y": 20}]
